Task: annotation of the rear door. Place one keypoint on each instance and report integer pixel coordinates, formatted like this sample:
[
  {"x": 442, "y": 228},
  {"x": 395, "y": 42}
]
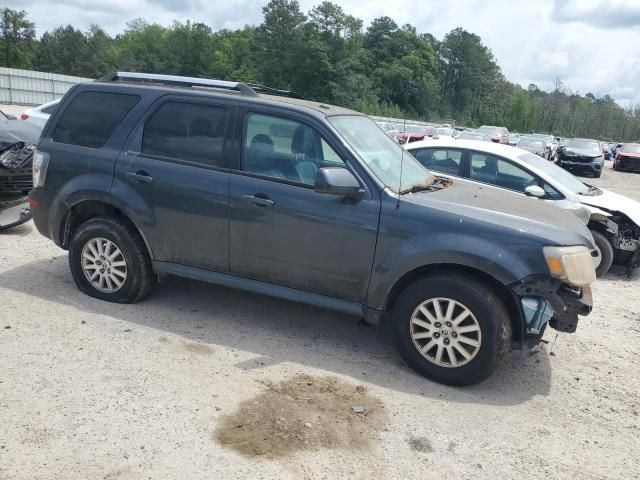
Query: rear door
[
  {"x": 175, "y": 174},
  {"x": 281, "y": 230}
]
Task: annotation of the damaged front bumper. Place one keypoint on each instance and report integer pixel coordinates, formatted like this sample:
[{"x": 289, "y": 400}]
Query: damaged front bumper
[
  {"x": 545, "y": 300},
  {"x": 14, "y": 210}
]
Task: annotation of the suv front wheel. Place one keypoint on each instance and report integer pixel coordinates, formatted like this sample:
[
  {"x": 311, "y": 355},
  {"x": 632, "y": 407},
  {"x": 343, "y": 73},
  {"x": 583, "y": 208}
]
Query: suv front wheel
[
  {"x": 109, "y": 261},
  {"x": 451, "y": 328}
]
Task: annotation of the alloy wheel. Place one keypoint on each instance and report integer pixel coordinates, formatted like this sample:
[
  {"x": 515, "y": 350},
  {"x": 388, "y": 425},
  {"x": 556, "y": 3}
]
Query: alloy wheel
[
  {"x": 445, "y": 332},
  {"x": 104, "y": 265}
]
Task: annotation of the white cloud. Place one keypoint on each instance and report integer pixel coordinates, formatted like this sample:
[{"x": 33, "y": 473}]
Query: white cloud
[{"x": 592, "y": 45}]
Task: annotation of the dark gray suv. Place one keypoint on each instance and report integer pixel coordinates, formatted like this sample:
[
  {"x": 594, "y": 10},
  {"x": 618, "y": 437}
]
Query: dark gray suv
[{"x": 141, "y": 176}]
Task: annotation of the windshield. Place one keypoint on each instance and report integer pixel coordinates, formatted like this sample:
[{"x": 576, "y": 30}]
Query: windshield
[
  {"x": 528, "y": 142},
  {"x": 444, "y": 131},
  {"x": 493, "y": 131},
  {"x": 381, "y": 154},
  {"x": 471, "y": 136},
  {"x": 589, "y": 145},
  {"x": 560, "y": 174},
  {"x": 414, "y": 129},
  {"x": 631, "y": 148}
]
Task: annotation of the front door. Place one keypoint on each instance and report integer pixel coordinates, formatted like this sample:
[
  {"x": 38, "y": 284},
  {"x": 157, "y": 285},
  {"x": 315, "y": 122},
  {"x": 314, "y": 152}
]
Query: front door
[
  {"x": 176, "y": 166},
  {"x": 281, "y": 230}
]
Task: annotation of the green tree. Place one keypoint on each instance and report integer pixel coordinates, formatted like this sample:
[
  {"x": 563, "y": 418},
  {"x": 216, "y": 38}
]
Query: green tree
[
  {"x": 281, "y": 33},
  {"x": 17, "y": 39},
  {"x": 62, "y": 51}
]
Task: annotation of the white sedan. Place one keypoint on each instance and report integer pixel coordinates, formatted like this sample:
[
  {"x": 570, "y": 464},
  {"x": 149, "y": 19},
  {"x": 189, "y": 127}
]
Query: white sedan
[
  {"x": 614, "y": 220},
  {"x": 38, "y": 116}
]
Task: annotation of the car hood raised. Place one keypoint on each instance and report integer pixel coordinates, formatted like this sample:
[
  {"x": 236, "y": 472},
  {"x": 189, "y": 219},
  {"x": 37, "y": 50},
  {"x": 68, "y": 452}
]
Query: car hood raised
[
  {"x": 511, "y": 210},
  {"x": 614, "y": 202}
]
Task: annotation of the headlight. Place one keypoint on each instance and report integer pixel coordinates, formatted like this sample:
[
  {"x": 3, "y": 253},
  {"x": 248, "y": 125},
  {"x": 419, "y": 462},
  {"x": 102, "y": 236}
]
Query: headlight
[
  {"x": 572, "y": 265},
  {"x": 40, "y": 164}
]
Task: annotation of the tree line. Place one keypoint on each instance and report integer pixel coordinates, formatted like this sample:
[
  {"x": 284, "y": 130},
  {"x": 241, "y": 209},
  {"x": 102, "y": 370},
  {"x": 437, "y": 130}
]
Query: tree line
[{"x": 328, "y": 55}]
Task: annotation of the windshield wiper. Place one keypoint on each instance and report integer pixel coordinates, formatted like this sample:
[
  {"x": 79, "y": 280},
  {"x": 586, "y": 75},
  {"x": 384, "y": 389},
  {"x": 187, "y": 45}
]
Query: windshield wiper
[{"x": 421, "y": 188}]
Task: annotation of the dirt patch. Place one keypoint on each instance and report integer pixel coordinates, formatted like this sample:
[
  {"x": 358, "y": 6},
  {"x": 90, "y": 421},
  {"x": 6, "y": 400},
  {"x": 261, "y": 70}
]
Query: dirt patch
[
  {"x": 199, "y": 348},
  {"x": 303, "y": 413},
  {"x": 420, "y": 444}
]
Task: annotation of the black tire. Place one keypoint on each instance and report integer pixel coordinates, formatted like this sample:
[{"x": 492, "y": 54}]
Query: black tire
[
  {"x": 139, "y": 279},
  {"x": 606, "y": 252},
  {"x": 486, "y": 307}
]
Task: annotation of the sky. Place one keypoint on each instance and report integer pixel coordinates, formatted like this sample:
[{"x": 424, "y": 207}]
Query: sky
[{"x": 591, "y": 45}]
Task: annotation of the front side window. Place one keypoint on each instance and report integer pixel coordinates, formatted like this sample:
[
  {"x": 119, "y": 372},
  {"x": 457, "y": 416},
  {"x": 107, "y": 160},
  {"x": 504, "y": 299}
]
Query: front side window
[
  {"x": 281, "y": 148},
  {"x": 440, "y": 160},
  {"x": 499, "y": 172},
  {"x": 186, "y": 131},
  {"x": 92, "y": 117},
  {"x": 552, "y": 193}
]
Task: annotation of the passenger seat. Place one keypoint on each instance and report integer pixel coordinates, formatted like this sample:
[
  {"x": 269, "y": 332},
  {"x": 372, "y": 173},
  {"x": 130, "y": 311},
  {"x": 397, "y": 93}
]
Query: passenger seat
[{"x": 303, "y": 146}]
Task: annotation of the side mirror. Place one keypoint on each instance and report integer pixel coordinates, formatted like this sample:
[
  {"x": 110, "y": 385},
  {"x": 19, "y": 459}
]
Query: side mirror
[
  {"x": 10, "y": 117},
  {"x": 535, "y": 191},
  {"x": 337, "y": 181}
]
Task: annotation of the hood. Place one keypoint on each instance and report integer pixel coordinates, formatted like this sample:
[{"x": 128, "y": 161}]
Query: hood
[
  {"x": 510, "y": 210},
  {"x": 529, "y": 148},
  {"x": 614, "y": 202},
  {"x": 629, "y": 154},
  {"x": 580, "y": 152}
]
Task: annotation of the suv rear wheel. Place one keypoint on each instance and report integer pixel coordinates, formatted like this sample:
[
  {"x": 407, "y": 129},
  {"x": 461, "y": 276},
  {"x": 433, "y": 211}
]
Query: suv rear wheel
[
  {"x": 109, "y": 261},
  {"x": 451, "y": 328}
]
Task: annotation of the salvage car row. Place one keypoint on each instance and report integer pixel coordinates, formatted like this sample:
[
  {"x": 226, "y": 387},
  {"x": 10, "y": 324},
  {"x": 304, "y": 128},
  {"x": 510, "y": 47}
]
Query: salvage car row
[{"x": 314, "y": 203}]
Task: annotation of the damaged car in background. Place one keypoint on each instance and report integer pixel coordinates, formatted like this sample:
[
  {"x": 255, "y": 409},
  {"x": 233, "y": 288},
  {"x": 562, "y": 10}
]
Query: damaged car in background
[
  {"x": 17, "y": 144},
  {"x": 614, "y": 220}
]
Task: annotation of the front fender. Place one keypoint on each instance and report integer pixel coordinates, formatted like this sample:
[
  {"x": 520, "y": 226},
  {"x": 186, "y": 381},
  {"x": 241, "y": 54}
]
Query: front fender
[{"x": 464, "y": 250}]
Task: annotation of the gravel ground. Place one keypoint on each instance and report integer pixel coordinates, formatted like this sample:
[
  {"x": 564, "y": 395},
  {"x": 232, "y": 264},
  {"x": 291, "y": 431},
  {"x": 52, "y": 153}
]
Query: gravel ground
[{"x": 204, "y": 382}]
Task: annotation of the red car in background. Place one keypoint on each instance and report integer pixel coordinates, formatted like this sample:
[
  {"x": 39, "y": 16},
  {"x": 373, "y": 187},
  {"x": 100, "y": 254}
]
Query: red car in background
[
  {"x": 496, "y": 134},
  {"x": 412, "y": 133},
  {"x": 627, "y": 157}
]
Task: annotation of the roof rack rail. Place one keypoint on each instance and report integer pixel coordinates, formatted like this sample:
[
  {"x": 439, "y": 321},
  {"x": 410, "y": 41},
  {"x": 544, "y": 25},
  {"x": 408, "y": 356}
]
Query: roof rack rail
[
  {"x": 274, "y": 91},
  {"x": 179, "y": 81}
]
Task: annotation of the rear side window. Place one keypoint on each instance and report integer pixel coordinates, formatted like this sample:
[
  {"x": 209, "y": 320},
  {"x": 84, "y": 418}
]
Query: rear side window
[
  {"x": 186, "y": 131},
  {"x": 92, "y": 117}
]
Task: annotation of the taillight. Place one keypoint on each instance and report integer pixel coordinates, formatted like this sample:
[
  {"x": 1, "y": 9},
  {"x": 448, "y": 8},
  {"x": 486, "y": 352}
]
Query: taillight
[
  {"x": 24, "y": 116},
  {"x": 40, "y": 165}
]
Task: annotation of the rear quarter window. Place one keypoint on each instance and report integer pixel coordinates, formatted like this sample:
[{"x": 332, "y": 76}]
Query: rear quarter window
[{"x": 92, "y": 117}]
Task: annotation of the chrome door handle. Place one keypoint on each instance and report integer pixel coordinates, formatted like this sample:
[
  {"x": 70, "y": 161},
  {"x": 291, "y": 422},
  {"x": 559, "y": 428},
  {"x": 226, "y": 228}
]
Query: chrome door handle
[
  {"x": 259, "y": 200},
  {"x": 140, "y": 176}
]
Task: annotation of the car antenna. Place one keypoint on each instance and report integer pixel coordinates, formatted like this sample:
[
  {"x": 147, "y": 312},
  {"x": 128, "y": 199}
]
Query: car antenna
[{"x": 404, "y": 128}]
